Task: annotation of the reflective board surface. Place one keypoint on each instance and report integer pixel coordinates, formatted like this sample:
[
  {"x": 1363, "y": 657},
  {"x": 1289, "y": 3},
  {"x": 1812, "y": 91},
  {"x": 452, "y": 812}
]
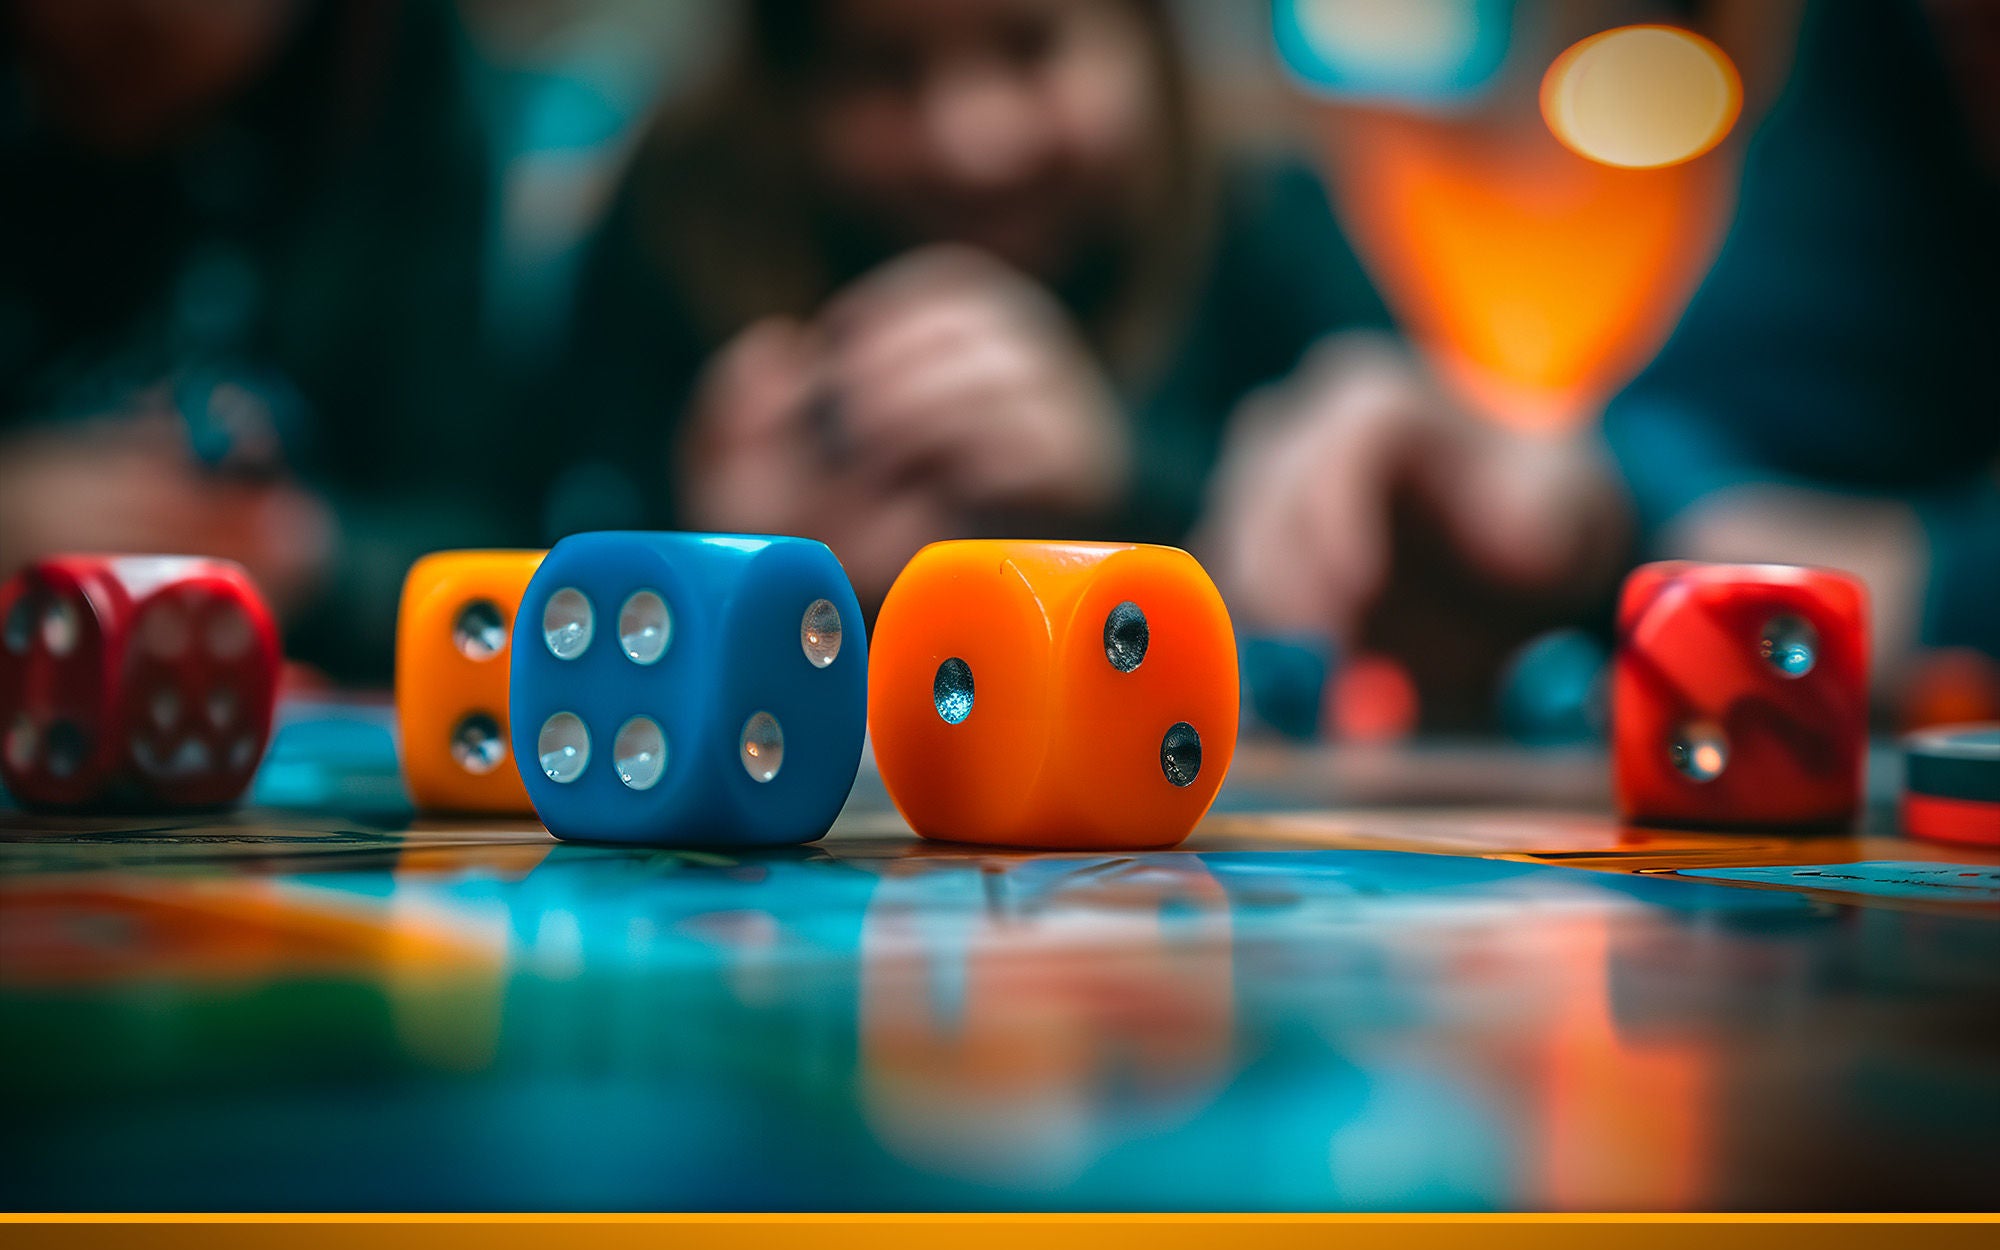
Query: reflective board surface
[{"x": 1307, "y": 1007}]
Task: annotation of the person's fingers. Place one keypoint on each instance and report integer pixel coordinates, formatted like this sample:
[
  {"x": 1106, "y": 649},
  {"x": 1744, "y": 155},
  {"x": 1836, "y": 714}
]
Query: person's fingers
[
  {"x": 135, "y": 507},
  {"x": 994, "y": 429},
  {"x": 876, "y": 353},
  {"x": 1527, "y": 510},
  {"x": 1270, "y": 575},
  {"x": 749, "y": 439},
  {"x": 1235, "y": 516},
  {"x": 1271, "y": 585},
  {"x": 768, "y": 491},
  {"x": 154, "y": 433},
  {"x": 112, "y": 485},
  {"x": 291, "y": 537},
  {"x": 759, "y": 384},
  {"x": 1302, "y": 524},
  {"x": 912, "y": 280},
  {"x": 952, "y": 370},
  {"x": 1509, "y": 502},
  {"x": 931, "y": 302},
  {"x": 947, "y": 410},
  {"x": 1505, "y": 516},
  {"x": 747, "y": 488},
  {"x": 1030, "y": 448},
  {"x": 1352, "y": 470}
]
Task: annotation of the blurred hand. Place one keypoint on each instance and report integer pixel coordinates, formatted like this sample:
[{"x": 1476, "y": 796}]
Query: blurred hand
[
  {"x": 1881, "y": 541},
  {"x": 955, "y": 373},
  {"x": 941, "y": 387},
  {"x": 757, "y": 458},
  {"x": 129, "y": 484},
  {"x": 1354, "y": 500}
]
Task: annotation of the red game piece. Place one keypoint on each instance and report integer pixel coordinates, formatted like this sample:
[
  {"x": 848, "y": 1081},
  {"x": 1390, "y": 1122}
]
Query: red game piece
[
  {"x": 1951, "y": 785},
  {"x": 134, "y": 681},
  {"x": 1740, "y": 695},
  {"x": 1372, "y": 699},
  {"x": 1950, "y": 820}
]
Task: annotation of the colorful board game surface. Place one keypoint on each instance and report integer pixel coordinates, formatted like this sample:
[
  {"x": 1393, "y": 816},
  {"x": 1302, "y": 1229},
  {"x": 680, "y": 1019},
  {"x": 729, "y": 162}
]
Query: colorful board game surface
[{"x": 1395, "y": 1000}]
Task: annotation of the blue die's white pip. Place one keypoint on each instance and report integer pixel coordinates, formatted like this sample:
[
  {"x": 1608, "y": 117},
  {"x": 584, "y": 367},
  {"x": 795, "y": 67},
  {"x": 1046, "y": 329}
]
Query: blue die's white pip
[{"x": 688, "y": 689}]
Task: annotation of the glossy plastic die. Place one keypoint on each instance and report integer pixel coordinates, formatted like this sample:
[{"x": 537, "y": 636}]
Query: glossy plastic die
[
  {"x": 1740, "y": 695},
  {"x": 688, "y": 689},
  {"x": 134, "y": 682},
  {"x": 1078, "y": 695},
  {"x": 453, "y": 634}
]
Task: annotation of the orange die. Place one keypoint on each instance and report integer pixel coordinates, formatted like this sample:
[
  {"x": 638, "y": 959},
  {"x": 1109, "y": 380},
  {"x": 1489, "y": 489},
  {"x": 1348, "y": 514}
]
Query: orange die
[
  {"x": 452, "y": 633},
  {"x": 1069, "y": 695}
]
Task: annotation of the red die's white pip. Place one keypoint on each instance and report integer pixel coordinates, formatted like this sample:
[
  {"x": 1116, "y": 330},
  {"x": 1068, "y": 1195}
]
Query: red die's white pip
[{"x": 140, "y": 682}]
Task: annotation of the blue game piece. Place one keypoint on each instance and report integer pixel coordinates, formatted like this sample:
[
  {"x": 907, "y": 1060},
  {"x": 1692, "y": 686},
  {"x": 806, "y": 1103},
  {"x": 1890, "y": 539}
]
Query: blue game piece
[
  {"x": 688, "y": 689},
  {"x": 1551, "y": 692},
  {"x": 1284, "y": 680}
]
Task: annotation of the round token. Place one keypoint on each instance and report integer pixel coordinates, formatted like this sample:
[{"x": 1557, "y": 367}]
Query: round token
[
  {"x": 1958, "y": 762},
  {"x": 1951, "y": 820}
]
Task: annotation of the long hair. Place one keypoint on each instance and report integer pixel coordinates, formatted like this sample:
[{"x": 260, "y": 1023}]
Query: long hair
[{"x": 726, "y": 204}]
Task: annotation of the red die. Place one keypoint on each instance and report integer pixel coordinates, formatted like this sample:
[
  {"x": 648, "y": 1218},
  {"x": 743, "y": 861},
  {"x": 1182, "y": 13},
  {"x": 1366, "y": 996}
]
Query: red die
[
  {"x": 1740, "y": 695},
  {"x": 135, "y": 681}
]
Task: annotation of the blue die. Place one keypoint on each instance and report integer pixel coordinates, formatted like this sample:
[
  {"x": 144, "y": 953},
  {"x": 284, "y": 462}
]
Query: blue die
[{"x": 688, "y": 689}]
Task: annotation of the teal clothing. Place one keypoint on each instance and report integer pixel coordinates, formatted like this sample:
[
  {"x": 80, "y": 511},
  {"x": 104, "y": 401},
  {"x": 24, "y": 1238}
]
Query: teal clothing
[{"x": 1279, "y": 277}]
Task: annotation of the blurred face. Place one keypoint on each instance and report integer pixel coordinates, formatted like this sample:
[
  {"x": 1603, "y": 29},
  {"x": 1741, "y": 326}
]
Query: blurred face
[
  {"x": 1012, "y": 125},
  {"x": 126, "y": 75}
]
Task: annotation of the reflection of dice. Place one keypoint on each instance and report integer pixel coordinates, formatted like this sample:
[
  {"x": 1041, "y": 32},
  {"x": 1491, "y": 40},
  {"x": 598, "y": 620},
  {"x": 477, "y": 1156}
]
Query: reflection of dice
[
  {"x": 452, "y": 631},
  {"x": 1053, "y": 694},
  {"x": 688, "y": 689},
  {"x": 134, "y": 681},
  {"x": 1740, "y": 695}
]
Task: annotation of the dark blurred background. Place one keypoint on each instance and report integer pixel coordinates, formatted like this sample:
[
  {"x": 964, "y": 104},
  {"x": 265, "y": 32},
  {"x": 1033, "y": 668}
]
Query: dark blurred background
[{"x": 1420, "y": 321}]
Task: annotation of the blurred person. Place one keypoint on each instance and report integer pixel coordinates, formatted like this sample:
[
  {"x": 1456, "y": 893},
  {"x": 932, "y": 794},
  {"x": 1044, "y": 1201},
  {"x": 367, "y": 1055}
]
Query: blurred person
[
  {"x": 1828, "y": 398},
  {"x": 241, "y": 244},
  {"x": 920, "y": 270},
  {"x": 1831, "y": 396}
]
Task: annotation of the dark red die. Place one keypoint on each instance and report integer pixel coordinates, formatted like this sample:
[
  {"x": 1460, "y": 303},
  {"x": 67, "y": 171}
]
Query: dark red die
[
  {"x": 137, "y": 682},
  {"x": 1740, "y": 695}
]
